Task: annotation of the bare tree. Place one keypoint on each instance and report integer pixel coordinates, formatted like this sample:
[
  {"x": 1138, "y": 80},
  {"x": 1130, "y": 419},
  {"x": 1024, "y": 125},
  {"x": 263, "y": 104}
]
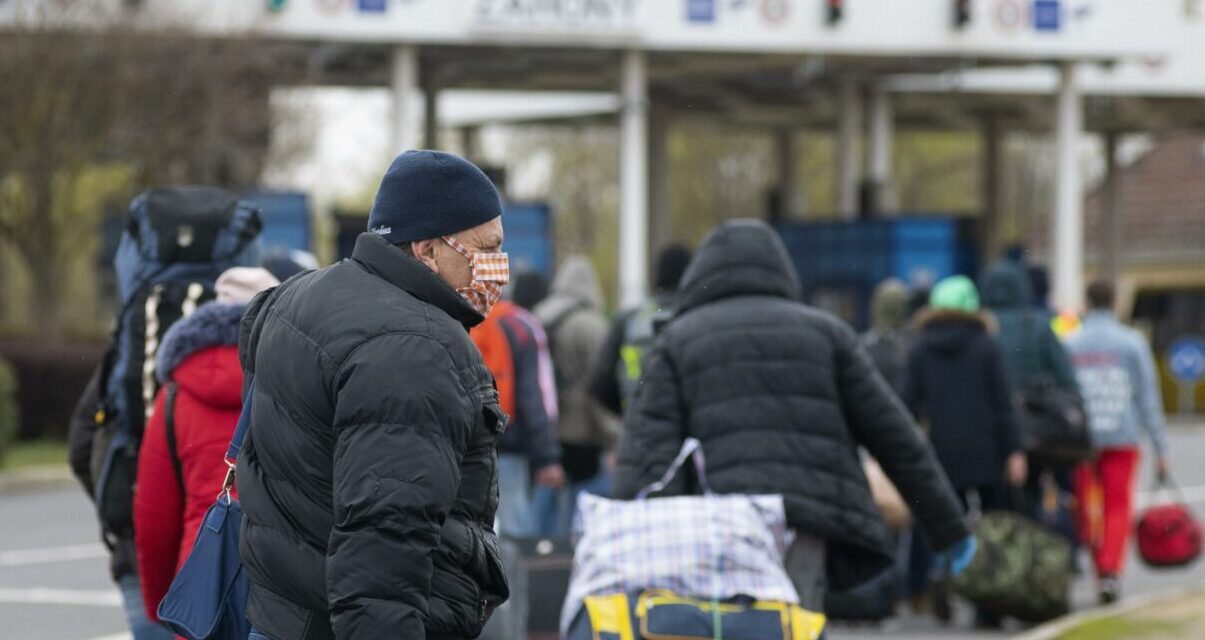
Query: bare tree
[{"x": 169, "y": 106}]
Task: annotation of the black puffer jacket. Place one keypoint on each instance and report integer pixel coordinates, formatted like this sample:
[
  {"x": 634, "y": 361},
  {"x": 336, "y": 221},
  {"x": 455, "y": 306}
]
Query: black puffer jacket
[
  {"x": 370, "y": 477},
  {"x": 955, "y": 380},
  {"x": 781, "y": 396}
]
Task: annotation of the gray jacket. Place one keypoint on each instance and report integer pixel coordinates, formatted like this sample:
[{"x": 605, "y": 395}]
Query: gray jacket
[
  {"x": 573, "y": 318},
  {"x": 1117, "y": 376}
]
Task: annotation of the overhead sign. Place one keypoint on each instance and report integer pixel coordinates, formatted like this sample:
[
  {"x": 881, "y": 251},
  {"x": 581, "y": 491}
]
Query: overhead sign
[
  {"x": 531, "y": 14},
  {"x": 1186, "y": 360},
  {"x": 1023, "y": 30}
]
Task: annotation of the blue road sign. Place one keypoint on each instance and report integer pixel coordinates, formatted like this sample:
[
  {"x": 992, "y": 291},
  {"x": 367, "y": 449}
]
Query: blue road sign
[
  {"x": 1186, "y": 360},
  {"x": 1046, "y": 15}
]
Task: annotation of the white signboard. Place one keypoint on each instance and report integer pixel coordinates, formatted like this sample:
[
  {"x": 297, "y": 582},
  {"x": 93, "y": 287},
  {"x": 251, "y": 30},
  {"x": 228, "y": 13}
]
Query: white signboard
[{"x": 1008, "y": 29}]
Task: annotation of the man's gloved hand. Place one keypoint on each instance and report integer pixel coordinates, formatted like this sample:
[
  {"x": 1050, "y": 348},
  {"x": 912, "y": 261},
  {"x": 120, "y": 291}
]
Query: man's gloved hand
[{"x": 959, "y": 556}]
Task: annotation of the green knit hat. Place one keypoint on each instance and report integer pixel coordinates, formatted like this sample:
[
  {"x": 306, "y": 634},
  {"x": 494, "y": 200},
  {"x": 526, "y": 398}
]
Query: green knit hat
[{"x": 955, "y": 292}]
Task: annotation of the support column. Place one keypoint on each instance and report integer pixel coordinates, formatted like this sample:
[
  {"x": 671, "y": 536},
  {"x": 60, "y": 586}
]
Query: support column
[
  {"x": 660, "y": 214},
  {"x": 430, "y": 111},
  {"x": 849, "y": 132},
  {"x": 403, "y": 75},
  {"x": 1067, "y": 243},
  {"x": 1110, "y": 245},
  {"x": 789, "y": 191},
  {"x": 991, "y": 233},
  {"x": 882, "y": 132},
  {"x": 633, "y": 180},
  {"x": 470, "y": 143}
]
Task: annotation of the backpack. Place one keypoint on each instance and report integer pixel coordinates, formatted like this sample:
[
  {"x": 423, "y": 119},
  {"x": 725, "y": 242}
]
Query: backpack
[
  {"x": 490, "y": 339},
  {"x": 176, "y": 243},
  {"x": 639, "y": 333}
]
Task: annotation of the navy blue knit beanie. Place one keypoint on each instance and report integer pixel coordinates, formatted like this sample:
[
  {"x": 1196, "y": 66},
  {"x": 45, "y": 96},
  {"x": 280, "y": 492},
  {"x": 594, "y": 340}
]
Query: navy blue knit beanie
[{"x": 430, "y": 194}]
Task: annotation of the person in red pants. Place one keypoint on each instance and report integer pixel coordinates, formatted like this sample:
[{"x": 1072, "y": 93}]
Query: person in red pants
[{"x": 1116, "y": 373}]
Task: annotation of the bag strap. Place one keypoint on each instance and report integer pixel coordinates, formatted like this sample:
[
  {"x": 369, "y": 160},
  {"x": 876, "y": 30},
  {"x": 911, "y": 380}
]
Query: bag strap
[
  {"x": 236, "y": 442},
  {"x": 691, "y": 448},
  {"x": 169, "y": 425},
  {"x": 1169, "y": 487}
]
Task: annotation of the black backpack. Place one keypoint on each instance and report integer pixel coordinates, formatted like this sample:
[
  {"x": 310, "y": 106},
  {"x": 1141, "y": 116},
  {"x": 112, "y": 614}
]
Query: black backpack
[{"x": 177, "y": 241}]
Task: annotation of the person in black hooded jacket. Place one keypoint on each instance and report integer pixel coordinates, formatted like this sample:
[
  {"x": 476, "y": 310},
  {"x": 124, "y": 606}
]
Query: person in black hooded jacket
[
  {"x": 781, "y": 396},
  {"x": 956, "y": 382},
  {"x": 369, "y": 478}
]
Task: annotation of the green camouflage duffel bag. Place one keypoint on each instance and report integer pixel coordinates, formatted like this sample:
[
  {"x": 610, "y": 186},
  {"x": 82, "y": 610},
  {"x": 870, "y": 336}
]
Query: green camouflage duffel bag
[{"x": 1021, "y": 570}]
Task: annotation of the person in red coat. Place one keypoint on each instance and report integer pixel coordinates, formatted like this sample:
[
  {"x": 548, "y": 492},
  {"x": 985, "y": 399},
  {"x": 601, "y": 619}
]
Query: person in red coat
[{"x": 175, "y": 487}]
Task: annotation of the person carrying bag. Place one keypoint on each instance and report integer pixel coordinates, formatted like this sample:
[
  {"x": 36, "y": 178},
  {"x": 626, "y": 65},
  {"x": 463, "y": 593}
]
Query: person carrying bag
[
  {"x": 208, "y": 597},
  {"x": 710, "y": 546}
]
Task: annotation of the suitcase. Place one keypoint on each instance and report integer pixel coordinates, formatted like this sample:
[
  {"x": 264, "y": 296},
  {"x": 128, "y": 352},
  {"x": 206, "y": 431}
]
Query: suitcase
[{"x": 547, "y": 563}]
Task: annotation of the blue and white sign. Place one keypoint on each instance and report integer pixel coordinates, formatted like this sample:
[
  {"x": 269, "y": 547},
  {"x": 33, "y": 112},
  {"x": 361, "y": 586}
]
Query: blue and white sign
[
  {"x": 1186, "y": 360},
  {"x": 700, "y": 10},
  {"x": 1046, "y": 15}
]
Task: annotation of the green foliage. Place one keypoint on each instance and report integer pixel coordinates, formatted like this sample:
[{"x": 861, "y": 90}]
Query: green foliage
[
  {"x": 1119, "y": 627},
  {"x": 40, "y": 453}
]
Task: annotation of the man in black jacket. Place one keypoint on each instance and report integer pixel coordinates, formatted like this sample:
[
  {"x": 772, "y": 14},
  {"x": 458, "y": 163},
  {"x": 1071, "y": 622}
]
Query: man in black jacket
[
  {"x": 781, "y": 396},
  {"x": 369, "y": 479}
]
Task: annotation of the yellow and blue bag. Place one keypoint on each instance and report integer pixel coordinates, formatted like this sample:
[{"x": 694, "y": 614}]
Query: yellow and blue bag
[{"x": 662, "y": 615}]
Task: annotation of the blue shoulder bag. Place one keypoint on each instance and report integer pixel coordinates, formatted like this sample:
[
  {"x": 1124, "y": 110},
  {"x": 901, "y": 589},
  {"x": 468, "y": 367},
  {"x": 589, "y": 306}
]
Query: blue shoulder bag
[{"x": 207, "y": 599}]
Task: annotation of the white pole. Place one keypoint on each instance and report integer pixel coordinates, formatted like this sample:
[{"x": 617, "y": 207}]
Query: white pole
[
  {"x": 660, "y": 216},
  {"x": 1068, "y": 240},
  {"x": 848, "y": 147},
  {"x": 633, "y": 181},
  {"x": 404, "y": 84},
  {"x": 882, "y": 129}
]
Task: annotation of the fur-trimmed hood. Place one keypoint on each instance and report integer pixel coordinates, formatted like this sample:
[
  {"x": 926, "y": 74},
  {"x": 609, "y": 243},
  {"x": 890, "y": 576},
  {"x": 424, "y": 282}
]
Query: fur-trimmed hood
[
  {"x": 211, "y": 325},
  {"x": 951, "y": 330}
]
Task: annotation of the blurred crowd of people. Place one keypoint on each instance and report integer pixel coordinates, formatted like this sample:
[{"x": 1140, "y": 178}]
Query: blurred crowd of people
[{"x": 370, "y": 483}]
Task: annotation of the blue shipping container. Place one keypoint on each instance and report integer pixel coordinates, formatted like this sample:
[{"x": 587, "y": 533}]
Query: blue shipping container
[
  {"x": 286, "y": 220},
  {"x": 840, "y": 263}
]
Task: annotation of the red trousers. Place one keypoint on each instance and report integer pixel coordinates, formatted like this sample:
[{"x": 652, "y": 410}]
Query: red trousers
[{"x": 1104, "y": 492}]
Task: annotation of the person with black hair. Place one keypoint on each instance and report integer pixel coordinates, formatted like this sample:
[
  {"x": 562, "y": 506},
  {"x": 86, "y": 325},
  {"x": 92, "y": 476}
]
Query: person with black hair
[{"x": 633, "y": 332}]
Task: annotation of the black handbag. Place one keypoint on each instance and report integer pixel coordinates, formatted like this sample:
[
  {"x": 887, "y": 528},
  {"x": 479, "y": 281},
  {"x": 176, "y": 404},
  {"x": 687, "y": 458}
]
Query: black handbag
[{"x": 1054, "y": 426}]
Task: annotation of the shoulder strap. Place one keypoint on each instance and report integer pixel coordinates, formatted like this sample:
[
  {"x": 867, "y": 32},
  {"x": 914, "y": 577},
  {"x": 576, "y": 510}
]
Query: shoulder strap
[
  {"x": 244, "y": 423},
  {"x": 236, "y": 442},
  {"x": 169, "y": 425}
]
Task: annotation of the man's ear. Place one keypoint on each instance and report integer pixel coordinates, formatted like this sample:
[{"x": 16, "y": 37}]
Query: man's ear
[{"x": 424, "y": 252}]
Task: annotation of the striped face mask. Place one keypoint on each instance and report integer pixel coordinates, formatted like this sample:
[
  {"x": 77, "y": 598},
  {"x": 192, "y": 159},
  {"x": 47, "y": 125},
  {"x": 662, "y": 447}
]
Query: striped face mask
[{"x": 491, "y": 271}]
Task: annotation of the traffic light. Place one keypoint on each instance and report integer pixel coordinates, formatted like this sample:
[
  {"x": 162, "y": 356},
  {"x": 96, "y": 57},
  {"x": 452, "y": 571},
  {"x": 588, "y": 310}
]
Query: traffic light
[
  {"x": 962, "y": 13},
  {"x": 834, "y": 11}
]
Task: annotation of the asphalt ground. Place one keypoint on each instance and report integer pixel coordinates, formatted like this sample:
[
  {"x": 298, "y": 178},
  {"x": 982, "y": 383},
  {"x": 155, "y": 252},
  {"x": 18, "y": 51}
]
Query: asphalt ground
[{"x": 54, "y": 578}]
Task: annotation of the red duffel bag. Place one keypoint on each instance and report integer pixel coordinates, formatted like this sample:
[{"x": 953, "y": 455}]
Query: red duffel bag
[{"x": 1168, "y": 534}]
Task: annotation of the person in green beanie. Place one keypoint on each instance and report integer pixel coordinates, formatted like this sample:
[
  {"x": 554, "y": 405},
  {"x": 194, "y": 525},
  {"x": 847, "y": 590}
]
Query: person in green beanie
[{"x": 955, "y": 382}]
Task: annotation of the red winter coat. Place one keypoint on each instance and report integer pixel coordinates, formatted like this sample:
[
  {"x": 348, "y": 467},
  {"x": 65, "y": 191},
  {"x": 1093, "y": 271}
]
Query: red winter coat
[{"x": 199, "y": 355}]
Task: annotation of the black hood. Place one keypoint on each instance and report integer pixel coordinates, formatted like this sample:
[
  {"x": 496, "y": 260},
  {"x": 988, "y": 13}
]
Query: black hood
[
  {"x": 740, "y": 258},
  {"x": 1006, "y": 285},
  {"x": 948, "y": 331}
]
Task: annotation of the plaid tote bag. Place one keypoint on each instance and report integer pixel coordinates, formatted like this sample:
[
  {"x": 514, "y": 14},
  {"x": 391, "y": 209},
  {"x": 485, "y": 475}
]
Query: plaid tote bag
[{"x": 707, "y": 546}]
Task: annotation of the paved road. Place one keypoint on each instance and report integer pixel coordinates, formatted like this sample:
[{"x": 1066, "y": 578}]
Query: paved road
[{"x": 54, "y": 579}]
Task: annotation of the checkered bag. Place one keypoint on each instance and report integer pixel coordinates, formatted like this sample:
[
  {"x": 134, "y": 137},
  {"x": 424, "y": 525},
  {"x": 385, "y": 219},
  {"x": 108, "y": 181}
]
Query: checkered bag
[{"x": 708, "y": 546}]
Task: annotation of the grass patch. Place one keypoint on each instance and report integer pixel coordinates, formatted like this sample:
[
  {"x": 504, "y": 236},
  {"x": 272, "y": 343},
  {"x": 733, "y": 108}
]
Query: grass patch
[
  {"x": 38, "y": 453},
  {"x": 1114, "y": 627}
]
